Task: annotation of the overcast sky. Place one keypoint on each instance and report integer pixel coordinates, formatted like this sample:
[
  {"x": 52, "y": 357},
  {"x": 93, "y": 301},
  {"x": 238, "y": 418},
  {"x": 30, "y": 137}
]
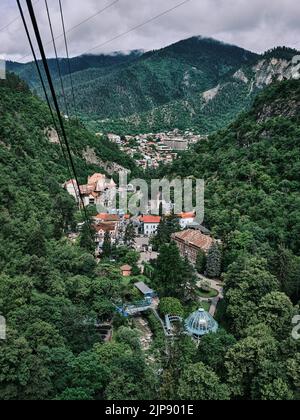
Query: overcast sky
[{"x": 253, "y": 24}]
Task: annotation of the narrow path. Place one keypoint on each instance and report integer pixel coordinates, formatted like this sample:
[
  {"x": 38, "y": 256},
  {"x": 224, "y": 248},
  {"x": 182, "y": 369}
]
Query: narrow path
[{"x": 214, "y": 284}]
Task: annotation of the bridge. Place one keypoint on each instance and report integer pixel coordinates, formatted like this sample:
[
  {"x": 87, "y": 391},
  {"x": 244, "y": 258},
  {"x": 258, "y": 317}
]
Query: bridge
[
  {"x": 139, "y": 307},
  {"x": 135, "y": 308}
]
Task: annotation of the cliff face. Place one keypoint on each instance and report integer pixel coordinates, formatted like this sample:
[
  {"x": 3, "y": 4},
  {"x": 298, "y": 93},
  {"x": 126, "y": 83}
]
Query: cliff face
[{"x": 267, "y": 71}]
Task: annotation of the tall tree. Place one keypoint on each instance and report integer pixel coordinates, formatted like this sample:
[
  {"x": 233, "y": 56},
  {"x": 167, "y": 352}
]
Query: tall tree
[
  {"x": 87, "y": 238},
  {"x": 107, "y": 248},
  {"x": 214, "y": 261},
  {"x": 130, "y": 234},
  {"x": 201, "y": 262},
  {"x": 169, "y": 278}
]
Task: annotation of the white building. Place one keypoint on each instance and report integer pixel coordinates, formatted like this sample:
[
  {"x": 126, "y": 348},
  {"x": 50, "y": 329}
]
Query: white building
[
  {"x": 114, "y": 138},
  {"x": 150, "y": 224},
  {"x": 186, "y": 219}
]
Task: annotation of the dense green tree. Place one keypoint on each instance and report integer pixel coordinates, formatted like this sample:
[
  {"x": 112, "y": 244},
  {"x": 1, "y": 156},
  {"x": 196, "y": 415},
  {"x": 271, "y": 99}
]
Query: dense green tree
[
  {"x": 213, "y": 348},
  {"x": 167, "y": 226},
  {"x": 173, "y": 275},
  {"x": 171, "y": 306},
  {"x": 129, "y": 235},
  {"x": 87, "y": 238},
  {"x": 107, "y": 247},
  {"x": 276, "y": 310},
  {"x": 201, "y": 262},
  {"x": 246, "y": 359},
  {"x": 199, "y": 382},
  {"x": 36, "y": 244},
  {"x": 278, "y": 390}
]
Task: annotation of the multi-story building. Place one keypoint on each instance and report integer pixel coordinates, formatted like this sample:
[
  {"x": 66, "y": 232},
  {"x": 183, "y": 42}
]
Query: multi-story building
[
  {"x": 98, "y": 190},
  {"x": 150, "y": 224},
  {"x": 191, "y": 242}
]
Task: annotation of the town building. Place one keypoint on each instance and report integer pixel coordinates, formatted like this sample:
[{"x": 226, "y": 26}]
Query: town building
[
  {"x": 114, "y": 138},
  {"x": 145, "y": 290},
  {"x": 104, "y": 223},
  {"x": 149, "y": 224},
  {"x": 126, "y": 270},
  {"x": 98, "y": 190},
  {"x": 186, "y": 219},
  {"x": 191, "y": 242}
]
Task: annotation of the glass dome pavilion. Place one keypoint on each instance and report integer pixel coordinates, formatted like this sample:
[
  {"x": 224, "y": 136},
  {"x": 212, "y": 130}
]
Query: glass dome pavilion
[{"x": 200, "y": 323}]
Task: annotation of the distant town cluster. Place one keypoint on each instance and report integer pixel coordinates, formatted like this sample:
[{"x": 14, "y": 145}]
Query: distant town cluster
[{"x": 150, "y": 150}]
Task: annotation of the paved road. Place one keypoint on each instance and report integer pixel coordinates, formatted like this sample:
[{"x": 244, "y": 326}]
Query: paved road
[{"x": 145, "y": 256}]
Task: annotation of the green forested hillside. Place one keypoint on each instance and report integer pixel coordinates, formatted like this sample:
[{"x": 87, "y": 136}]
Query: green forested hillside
[
  {"x": 51, "y": 290},
  {"x": 252, "y": 203},
  {"x": 77, "y": 64},
  {"x": 252, "y": 177}
]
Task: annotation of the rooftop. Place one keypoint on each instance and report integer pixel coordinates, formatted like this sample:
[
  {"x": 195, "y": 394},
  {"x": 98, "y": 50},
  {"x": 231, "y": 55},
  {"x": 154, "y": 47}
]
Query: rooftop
[
  {"x": 126, "y": 268},
  {"x": 105, "y": 217},
  {"x": 142, "y": 287},
  {"x": 200, "y": 323},
  {"x": 190, "y": 215},
  {"x": 194, "y": 238},
  {"x": 150, "y": 219}
]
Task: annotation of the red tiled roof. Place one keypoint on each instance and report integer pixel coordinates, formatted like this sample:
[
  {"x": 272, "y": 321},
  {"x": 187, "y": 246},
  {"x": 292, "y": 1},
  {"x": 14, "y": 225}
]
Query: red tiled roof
[
  {"x": 194, "y": 238},
  {"x": 105, "y": 217},
  {"x": 105, "y": 227},
  {"x": 87, "y": 189},
  {"x": 126, "y": 268},
  {"x": 95, "y": 178},
  {"x": 187, "y": 215},
  {"x": 150, "y": 219}
]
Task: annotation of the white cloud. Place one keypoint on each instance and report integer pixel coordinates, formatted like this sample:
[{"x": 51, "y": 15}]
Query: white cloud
[{"x": 257, "y": 25}]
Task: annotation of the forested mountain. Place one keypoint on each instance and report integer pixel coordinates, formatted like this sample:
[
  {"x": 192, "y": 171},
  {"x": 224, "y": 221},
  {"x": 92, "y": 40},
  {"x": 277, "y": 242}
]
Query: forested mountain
[
  {"x": 197, "y": 83},
  {"x": 28, "y": 71}
]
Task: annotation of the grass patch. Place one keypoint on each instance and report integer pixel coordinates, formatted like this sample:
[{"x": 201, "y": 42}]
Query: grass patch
[{"x": 210, "y": 294}]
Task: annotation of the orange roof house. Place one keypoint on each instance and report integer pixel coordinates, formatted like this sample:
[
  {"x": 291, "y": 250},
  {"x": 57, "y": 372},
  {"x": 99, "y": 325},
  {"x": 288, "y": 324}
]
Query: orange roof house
[
  {"x": 150, "y": 219},
  {"x": 105, "y": 217},
  {"x": 191, "y": 242},
  {"x": 187, "y": 215},
  {"x": 126, "y": 270},
  {"x": 95, "y": 178}
]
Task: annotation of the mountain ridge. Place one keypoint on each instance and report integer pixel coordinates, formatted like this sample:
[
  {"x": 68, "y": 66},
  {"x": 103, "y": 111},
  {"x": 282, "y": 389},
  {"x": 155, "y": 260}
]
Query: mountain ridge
[{"x": 197, "y": 83}]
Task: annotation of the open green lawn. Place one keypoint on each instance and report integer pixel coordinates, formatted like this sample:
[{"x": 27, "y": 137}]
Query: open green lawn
[{"x": 212, "y": 293}]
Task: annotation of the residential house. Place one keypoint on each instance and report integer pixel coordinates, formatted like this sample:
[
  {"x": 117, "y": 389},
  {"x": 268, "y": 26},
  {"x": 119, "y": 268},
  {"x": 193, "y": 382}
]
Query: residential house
[
  {"x": 191, "y": 242},
  {"x": 102, "y": 228},
  {"x": 104, "y": 223},
  {"x": 126, "y": 270},
  {"x": 186, "y": 219}
]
